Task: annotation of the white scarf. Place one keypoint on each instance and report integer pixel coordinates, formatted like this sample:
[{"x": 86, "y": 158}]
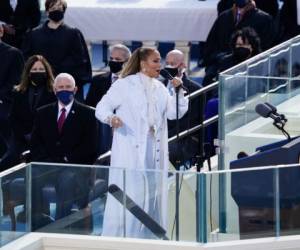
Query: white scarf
[{"x": 148, "y": 84}]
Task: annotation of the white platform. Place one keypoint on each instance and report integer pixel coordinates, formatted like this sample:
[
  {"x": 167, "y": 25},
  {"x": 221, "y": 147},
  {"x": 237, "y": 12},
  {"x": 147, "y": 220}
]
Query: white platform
[
  {"x": 142, "y": 20},
  {"x": 39, "y": 241}
]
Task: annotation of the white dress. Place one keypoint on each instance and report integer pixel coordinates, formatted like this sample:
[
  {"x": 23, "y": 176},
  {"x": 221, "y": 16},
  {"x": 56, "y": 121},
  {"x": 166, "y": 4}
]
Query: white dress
[{"x": 137, "y": 148}]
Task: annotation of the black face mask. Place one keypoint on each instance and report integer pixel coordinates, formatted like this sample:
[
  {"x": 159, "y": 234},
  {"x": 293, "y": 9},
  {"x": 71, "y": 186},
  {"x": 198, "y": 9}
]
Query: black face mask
[
  {"x": 115, "y": 67},
  {"x": 38, "y": 78},
  {"x": 172, "y": 71},
  {"x": 56, "y": 15},
  {"x": 241, "y": 53}
]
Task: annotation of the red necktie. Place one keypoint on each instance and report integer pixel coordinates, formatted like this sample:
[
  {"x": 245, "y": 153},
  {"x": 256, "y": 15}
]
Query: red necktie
[{"x": 61, "y": 120}]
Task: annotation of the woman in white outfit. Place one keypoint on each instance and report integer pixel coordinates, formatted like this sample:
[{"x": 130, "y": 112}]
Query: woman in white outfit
[{"x": 137, "y": 106}]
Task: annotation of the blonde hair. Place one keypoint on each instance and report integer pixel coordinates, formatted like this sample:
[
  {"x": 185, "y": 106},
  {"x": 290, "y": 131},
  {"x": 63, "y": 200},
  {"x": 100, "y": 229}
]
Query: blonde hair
[{"x": 133, "y": 65}]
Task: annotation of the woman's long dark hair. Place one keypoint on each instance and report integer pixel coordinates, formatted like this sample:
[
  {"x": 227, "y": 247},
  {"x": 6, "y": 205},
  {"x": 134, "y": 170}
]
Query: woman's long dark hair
[
  {"x": 133, "y": 65},
  {"x": 25, "y": 78},
  {"x": 251, "y": 36}
]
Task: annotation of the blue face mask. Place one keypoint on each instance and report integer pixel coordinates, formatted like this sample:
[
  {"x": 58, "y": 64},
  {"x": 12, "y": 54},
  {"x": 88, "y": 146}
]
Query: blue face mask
[
  {"x": 241, "y": 3},
  {"x": 65, "y": 96}
]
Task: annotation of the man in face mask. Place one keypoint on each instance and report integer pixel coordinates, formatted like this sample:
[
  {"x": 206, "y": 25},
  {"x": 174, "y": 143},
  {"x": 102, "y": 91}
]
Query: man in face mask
[
  {"x": 175, "y": 65},
  {"x": 118, "y": 55},
  {"x": 63, "y": 46},
  {"x": 63, "y": 132}
]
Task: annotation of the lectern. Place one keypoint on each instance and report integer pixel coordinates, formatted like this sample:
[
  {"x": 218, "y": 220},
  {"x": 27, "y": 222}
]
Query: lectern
[{"x": 254, "y": 191}]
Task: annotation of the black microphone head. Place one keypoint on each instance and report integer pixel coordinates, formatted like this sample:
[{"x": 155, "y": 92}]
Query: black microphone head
[
  {"x": 241, "y": 155},
  {"x": 263, "y": 110},
  {"x": 274, "y": 109},
  {"x": 165, "y": 74},
  {"x": 113, "y": 188}
]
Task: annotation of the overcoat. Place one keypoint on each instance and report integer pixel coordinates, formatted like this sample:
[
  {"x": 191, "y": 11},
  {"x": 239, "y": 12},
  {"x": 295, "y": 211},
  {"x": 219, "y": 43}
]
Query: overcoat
[{"x": 147, "y": 187}]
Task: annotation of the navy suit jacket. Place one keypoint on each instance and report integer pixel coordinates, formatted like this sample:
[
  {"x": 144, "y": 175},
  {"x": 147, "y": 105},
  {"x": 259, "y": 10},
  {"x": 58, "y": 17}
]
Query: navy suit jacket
[
  {"x": 77, "y": 142},
  {"x": 99, "y": 86}
]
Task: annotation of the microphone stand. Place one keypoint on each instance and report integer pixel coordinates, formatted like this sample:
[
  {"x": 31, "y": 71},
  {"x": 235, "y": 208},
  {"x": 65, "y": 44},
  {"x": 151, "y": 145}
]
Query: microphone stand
[
  {"x": 201, "y": 182},
  {"x": 280, "y": 125},
  {"x": 177, "y": 167}
]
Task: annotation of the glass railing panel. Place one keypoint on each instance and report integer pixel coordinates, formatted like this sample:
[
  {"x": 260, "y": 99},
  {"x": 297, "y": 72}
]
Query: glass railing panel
[
  {"x": 14, "y": 203},
  {"x": 188, "y": 218},
  {"x": 68, "y": 199},
  {"x": 240, "y": 203},
  {"x": 134, "y": 203},
  {"x": 240, "y": 127},
  {"x": 259, "y": 68},
  {"x": 280, "y": 50},
  {"x": 295, "y": 60},
  {"x": 252, "y": 202},
  {"x": 280, "y": 63},
  {"x": 150, "y": 204}
]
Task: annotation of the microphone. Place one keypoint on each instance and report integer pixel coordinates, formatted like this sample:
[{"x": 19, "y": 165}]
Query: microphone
[
  {"x": 165, "y": 74},
  {"x": 273, "y": 108},
  {"x": 274, "y": 111},
  {"x": 268, "y": 110},
  {"x": 138, "y": 212},
  {"x": 265, "y": 111}
]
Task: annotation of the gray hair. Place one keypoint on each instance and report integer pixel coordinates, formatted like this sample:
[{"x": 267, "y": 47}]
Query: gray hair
[
  {"x": 64, "y": 76},
  {"x": 125, "y": 49}
]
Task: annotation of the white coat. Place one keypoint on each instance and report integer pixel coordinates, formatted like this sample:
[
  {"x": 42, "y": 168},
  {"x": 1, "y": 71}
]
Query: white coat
[{"x": 147, "y": 188}]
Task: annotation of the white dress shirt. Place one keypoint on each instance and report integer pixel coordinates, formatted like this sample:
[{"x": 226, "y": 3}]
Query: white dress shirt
[
  {"x": 68, "y": 108},
  {"x": 13, "y": 4}
]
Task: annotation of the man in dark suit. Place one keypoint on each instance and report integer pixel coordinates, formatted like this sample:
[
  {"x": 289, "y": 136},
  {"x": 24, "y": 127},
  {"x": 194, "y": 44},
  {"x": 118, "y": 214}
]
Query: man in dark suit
[
  {"x": 268, "y": 6},
  {"x": 187, "y": 147},
  {"x": 243, "y": 14},
  {"x": 19, "y": 16},
  {"x": 118, "y": 55},
  {"x": 64, "y": 132},
  {"x": 10, "y": 72}
]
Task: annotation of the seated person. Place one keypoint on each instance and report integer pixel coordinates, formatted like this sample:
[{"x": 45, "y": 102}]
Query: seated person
[
  {"x": 34, "y": 91},
  {"x": 243, "y": 14},
  {"x": 244, "y": 44},
  {"x": 63, "y": 132}
]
